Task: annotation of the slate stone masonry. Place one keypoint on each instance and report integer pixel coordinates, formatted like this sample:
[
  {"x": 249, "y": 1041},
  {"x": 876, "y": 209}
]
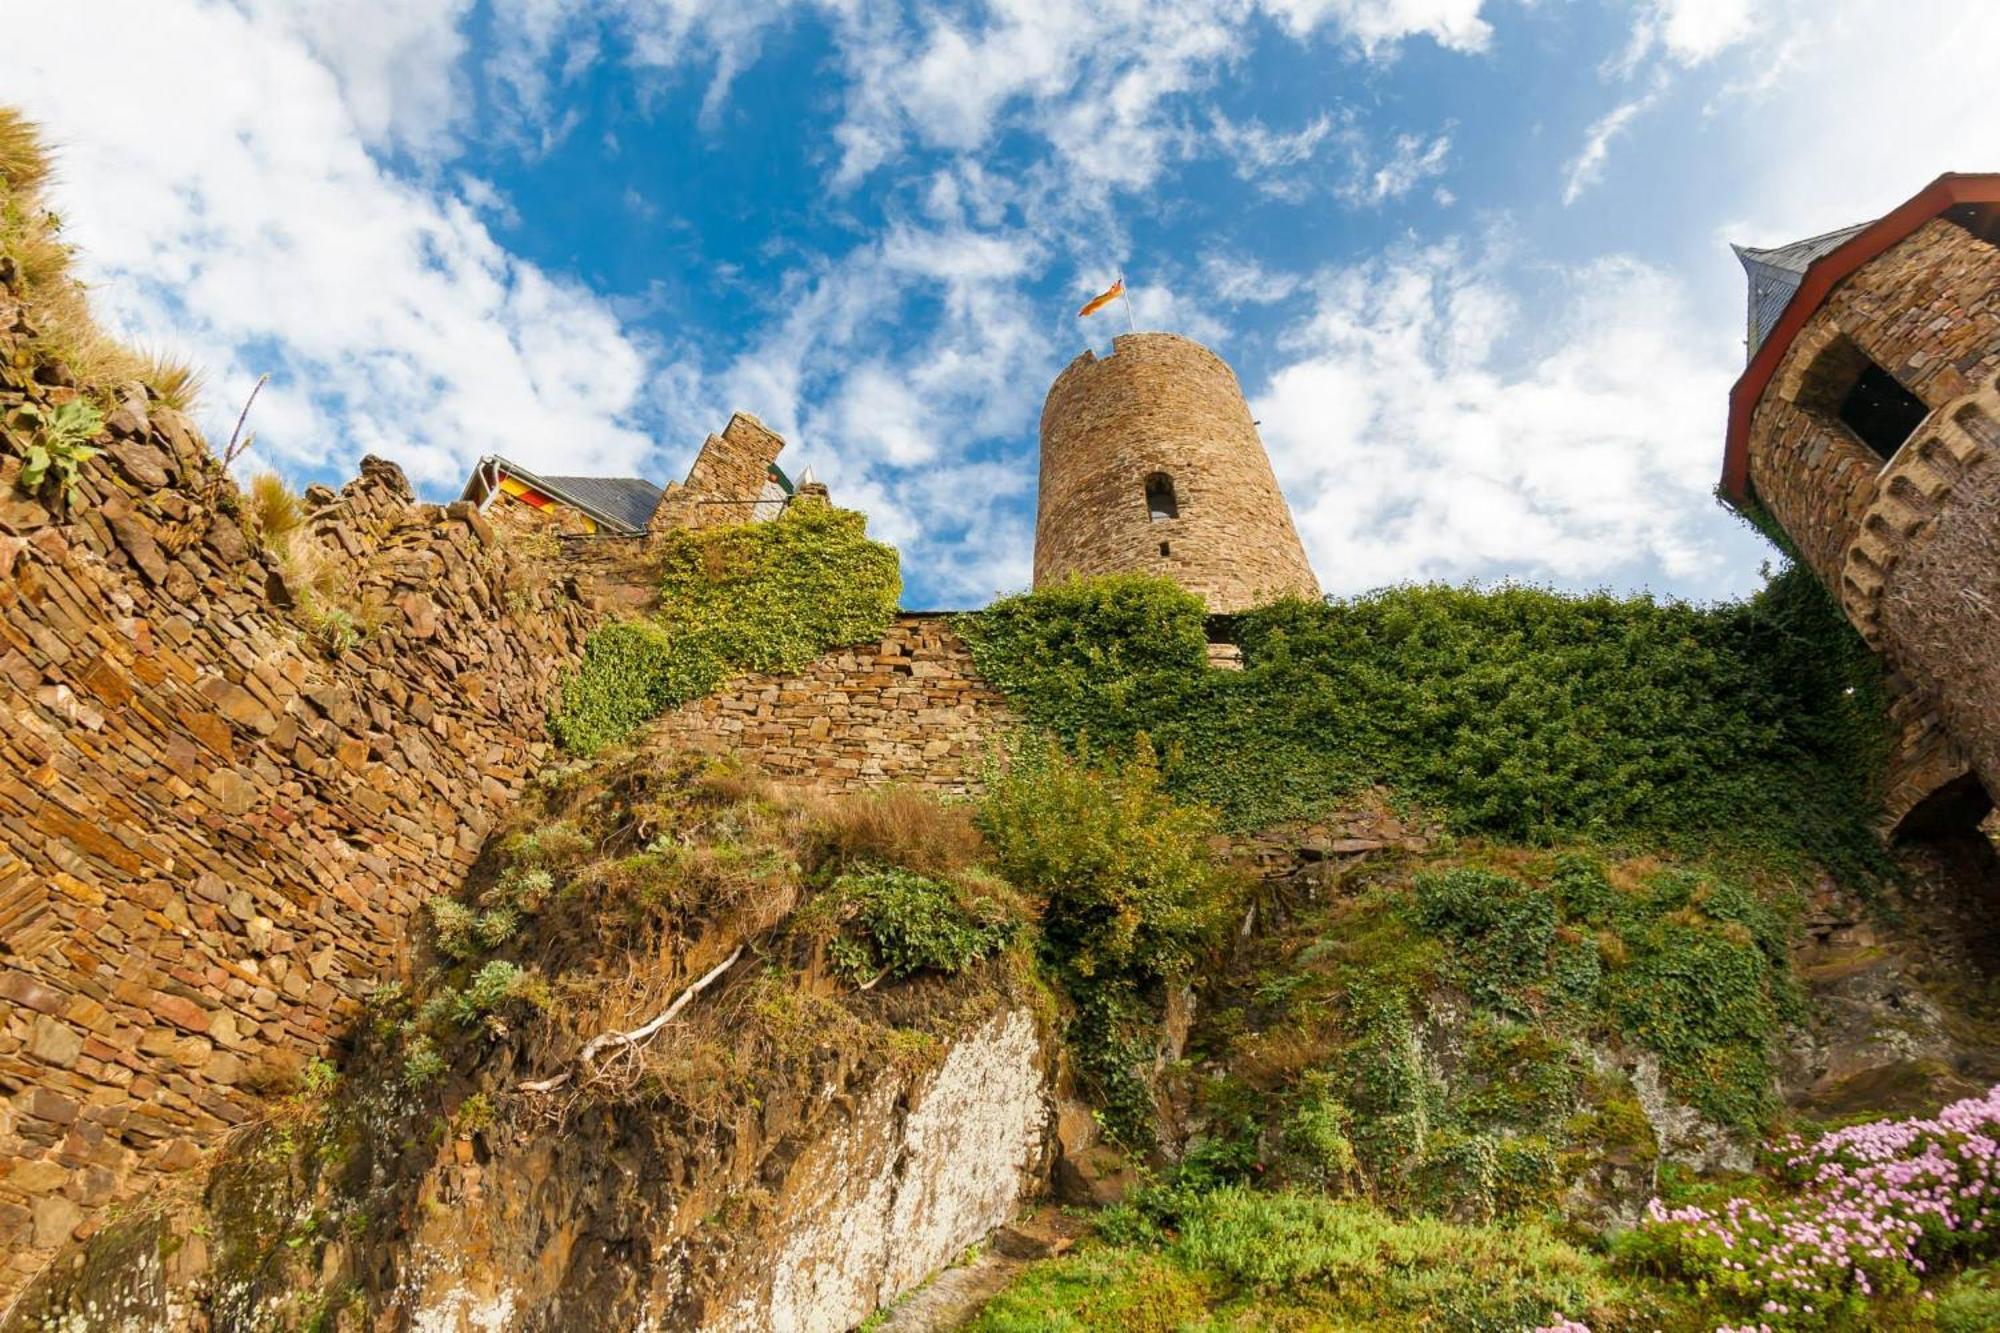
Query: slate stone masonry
[{"x": 212, "y": 835}]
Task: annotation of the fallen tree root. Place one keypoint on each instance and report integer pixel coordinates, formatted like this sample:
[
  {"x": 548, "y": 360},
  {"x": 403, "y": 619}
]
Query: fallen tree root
[{"x": 604, "y": 1040}]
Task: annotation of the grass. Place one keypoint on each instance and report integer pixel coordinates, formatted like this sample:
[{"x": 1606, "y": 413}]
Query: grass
[
  {"x": 324, "y": 605},
  {"x": 1238, "y": 1258},
  {"x": 36, "y": 263}
]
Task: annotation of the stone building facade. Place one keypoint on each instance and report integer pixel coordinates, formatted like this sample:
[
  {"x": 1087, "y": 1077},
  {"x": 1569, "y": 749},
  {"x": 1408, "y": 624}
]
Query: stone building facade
[
  {"x": 734, "y": 479},
  {"x": 1868, "y": 427},
  {"x": 1150, "y": 463}
]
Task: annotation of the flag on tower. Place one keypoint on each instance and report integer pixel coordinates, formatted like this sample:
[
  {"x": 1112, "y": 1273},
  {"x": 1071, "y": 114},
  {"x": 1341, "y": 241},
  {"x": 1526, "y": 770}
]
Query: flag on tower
[{"x": 1103, "y": 299}]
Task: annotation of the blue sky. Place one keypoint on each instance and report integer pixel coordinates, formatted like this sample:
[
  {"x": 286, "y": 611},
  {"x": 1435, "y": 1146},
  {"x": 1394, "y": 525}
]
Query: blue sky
[{"x": 1468, "y": 257}]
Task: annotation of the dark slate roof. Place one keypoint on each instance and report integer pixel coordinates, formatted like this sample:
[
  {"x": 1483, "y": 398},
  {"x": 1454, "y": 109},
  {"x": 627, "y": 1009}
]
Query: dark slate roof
[
  {"x": 1776, "y": 273},
  {"x": 627, "y": 501}
]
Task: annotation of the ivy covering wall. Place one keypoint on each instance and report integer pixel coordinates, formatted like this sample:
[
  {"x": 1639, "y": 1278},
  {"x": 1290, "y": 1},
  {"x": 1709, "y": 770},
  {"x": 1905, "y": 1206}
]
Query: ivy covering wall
[
  {"x": 1516, "y": 712},
  {"x": 753, "y": 597}
]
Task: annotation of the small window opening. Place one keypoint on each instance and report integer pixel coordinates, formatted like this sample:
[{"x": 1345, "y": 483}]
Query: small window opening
[
  {"x": 1843, "y": 383},
  {"x": 1160, "y": 501},
  {"x": 1881, "y": 411},
  {"x": 1982, "y": 220},
  {"x": 1163, "y": 548}
]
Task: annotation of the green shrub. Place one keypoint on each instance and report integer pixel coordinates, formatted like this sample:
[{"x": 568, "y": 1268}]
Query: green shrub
[
  {"x": 1129, "y": 884},
  {"x": 494, "y": 985},
  {"x": 422, "y": 1065},
  {"x": 1503, "y": 929},
  {"x": 1130, "y": 893},
  {"x": 455, "y": 925},
  {"x": 754, "y": 597},
  {"x": 1316, "y": 1134},
  {"x": 902, "y": 923}
]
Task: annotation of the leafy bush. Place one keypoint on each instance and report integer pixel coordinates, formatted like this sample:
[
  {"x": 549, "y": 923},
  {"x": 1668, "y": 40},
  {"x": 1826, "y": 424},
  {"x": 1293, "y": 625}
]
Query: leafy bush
[
  {"x": 1506, "y": 928},
  {"x": 59, "y": 447},
  {"x": 754, "y": 597},
  {"x": 495, "y": 984},
  {"x": 1517, "y": 712},
  {"x": 1129, "y": 884},
  {"x": 898, "y": 923},
  {"x": 1130, "y": 895}
]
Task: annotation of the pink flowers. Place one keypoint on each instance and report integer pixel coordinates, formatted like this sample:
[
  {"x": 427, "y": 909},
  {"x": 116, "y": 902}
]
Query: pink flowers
[{"x": 1871, "y": 1207}]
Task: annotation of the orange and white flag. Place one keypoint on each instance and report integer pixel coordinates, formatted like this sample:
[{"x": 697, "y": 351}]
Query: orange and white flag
[{"x": 1103, "y": 299}]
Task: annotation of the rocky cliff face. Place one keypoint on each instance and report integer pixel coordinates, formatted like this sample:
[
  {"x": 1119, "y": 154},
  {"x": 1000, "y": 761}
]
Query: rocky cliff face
[{"x": 785, "y": 1149}]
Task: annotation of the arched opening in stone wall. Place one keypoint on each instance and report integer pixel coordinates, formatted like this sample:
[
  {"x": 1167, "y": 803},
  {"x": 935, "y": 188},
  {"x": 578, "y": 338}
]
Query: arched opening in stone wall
[
  {"x": 1945, "y": 845},
  {"x": 1957, "y": 807},
  {"x": 1982, "y": 220},
  {"x": 1161, "y": 502},
  {"x": 1845, "y": 385}
]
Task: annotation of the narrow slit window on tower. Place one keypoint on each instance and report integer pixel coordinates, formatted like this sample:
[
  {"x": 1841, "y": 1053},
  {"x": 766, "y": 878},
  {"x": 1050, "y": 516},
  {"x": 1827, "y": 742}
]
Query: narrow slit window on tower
[
  {"x": 1881, "y": 411},
  {"x": 1163, "y": 548},
  {"x": 1160, "y": 501},
  {"x": 1982, "y": 220},
  {"x": 1845, "y": 384}
]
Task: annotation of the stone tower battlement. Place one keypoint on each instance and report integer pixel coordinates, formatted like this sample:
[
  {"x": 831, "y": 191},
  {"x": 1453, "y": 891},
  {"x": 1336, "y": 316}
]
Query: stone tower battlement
[{"x": 1151, "y": 464}]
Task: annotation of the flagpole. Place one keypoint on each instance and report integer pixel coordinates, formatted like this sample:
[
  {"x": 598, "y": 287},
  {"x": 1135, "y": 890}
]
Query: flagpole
[{"x": 1131, "y": 324}]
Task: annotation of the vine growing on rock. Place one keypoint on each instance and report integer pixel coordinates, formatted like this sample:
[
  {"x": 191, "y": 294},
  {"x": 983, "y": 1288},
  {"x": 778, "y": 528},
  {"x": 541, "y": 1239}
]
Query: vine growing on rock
[
  {"x": 753, "y": 597},
  {"x": 1516, "y": 712}
]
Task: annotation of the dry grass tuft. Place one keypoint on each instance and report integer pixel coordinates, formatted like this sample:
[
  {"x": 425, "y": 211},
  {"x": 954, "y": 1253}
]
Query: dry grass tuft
[
  {"x": 175, "y": 380},
  {"x": 24, "y": 163},
  {"x": 332, "y": 617},
  {"x": 35, "y": 263},
  {"x": 274, "y": 511},
  {"x": 899, "y": 826}
]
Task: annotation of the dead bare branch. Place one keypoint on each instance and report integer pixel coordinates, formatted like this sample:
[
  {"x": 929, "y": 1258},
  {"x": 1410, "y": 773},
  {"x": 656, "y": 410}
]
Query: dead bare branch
[{"x": 629, "y": 1041}]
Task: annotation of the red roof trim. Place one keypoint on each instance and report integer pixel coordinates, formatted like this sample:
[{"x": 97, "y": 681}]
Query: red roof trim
[{"x": 1824, "y": 274}]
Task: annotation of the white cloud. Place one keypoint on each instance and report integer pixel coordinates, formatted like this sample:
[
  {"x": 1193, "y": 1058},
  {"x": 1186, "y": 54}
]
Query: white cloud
[
  {"x": 1868, "y": 111},
  {"x": 241, "y": 220},
  {"x": 1373, "y": 24},
  {"x": 396, "y": 61},
  {"x": 1587, "y": 167},
  {"x": 1242, "y": 280},
  {"x": 1692, "y": 31},
  {"x": 1255, "y": 149},
  {"x": 1415, "y": 443},
  {"x": 1414, "y": 160}
]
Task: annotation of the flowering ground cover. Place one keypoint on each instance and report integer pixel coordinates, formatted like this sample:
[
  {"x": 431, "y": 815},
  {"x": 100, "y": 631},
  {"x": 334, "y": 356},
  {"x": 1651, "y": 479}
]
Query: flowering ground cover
[{"x": 1862, "y": 1216}]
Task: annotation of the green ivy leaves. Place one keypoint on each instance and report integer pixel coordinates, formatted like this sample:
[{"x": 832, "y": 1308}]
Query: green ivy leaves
[{"x": 755, "y": 597}]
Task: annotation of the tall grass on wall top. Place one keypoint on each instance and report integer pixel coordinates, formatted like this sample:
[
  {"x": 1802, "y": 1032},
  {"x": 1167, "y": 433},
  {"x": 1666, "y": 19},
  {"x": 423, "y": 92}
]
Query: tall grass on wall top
[
  {"x": 754, "y": 597},
  {"x": 1518, "y": 712},
  {"x": 35, "y": 267}
]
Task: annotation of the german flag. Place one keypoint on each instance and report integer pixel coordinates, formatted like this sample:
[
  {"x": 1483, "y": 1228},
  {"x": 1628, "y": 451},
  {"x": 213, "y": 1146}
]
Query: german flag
[{"x": 1103, "y": 299}]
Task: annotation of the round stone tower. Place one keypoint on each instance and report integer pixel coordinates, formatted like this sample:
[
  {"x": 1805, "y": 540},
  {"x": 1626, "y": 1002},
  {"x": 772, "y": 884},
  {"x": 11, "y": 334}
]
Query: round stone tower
[
  {"x": 1867, "y": 425},
  {"x": 1151, "y": 464}
]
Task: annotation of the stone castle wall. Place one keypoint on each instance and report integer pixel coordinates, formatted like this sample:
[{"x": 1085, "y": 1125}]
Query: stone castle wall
[
  {"x": 909, "y": 709},
  {"x": 1163, "y": 404},
  {"x": 1906, "y": 544},
  {"x": 212, "y": 834}
]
